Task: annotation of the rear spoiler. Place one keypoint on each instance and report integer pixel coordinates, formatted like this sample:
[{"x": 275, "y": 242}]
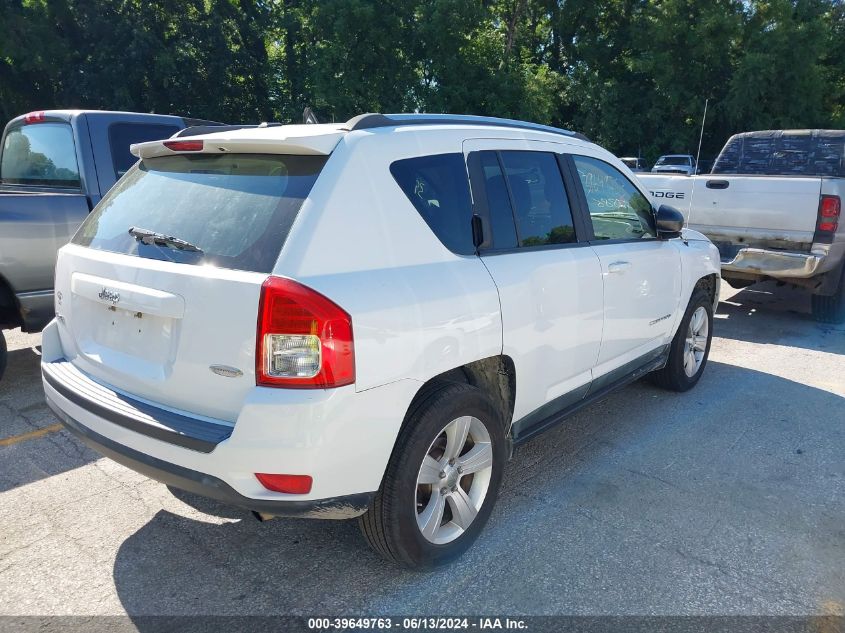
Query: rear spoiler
[{"x": 296, "y": 139}]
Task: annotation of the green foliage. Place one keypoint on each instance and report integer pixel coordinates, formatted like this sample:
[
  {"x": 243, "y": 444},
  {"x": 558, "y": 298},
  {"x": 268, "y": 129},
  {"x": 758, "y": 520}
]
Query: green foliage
[{"x": 632, "y": 74}]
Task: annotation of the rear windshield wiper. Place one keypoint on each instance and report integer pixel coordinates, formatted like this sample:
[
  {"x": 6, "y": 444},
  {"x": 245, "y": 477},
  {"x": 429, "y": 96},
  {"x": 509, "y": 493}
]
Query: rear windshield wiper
[{"x": 160, "y": 239}]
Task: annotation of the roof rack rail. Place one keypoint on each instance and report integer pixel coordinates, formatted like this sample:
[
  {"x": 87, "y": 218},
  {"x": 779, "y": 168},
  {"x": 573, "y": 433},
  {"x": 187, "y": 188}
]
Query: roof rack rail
[{"x": 373, "y": 120}]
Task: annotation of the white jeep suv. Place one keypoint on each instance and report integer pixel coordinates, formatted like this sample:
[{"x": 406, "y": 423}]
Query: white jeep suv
[{"x": 363, "y": 319}]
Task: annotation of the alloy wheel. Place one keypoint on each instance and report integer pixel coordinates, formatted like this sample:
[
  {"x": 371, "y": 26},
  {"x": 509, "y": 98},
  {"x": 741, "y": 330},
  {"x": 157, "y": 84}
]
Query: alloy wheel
[{"x": 453, "y": 480}]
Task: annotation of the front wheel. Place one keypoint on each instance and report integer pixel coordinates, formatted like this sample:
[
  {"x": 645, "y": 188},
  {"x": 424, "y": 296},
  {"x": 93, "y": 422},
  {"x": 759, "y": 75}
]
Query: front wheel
[
  {"x": 442, "y": 479},
  {"x": 690, "y": 348}
]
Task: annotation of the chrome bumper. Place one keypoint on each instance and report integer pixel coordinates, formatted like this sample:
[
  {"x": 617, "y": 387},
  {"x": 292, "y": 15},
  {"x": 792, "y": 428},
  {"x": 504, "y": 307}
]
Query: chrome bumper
[{"x": 774, "y": 263}]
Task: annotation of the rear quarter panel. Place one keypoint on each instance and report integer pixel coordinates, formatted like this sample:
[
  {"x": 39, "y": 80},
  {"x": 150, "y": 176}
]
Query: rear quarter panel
[{"x": 417, "y": 309}]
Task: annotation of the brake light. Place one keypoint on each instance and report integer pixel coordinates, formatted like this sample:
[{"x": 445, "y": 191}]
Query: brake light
[
  {"x": 830, "y": 208},
  {"x": 291, "y": 484},
  {"x": 304, "y": 340},
  {"x": 184, "y": 146},
  {"x": 35, "y": 117}
]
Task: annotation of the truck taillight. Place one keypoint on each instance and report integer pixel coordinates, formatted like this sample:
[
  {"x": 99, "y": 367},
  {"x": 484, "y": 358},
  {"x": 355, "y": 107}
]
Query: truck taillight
[
  {"x": 830, "y": 208},
  {"x": 304, "y": 340}
]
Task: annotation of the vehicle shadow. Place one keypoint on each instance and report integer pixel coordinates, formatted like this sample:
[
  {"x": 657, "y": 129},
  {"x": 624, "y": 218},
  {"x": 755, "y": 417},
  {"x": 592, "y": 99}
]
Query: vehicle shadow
[
  {"x": 768, "y": 313},
  {"x": 23, "y": 410},
  {"x": 740, "y": 472}
]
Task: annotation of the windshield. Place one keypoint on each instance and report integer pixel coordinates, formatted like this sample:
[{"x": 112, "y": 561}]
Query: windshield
[
  {"x": 673, "y": 160},
  {"x": 236, "y": 208},
  {"x": 40, "y": 154}
]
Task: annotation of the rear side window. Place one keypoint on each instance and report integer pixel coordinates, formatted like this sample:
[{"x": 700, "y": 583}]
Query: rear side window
[
  {"x": 438, "y": 188},
  {"x": 237, "y": 208},
  {"x": 122, "y": 135},
  {"x": 40, "y": 154},
  {"x": 540, "y": 206}
]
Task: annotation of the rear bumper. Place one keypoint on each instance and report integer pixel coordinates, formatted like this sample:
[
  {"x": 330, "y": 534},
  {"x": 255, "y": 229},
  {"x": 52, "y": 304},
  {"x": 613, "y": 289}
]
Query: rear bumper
[
  {"x": 774, "y": 263},
  {"x": 209, "y": 486},
  {"x": 342, "y": 438}
]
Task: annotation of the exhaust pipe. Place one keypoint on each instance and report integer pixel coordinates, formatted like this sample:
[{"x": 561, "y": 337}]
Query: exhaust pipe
[{"x": 263, "y": 516}]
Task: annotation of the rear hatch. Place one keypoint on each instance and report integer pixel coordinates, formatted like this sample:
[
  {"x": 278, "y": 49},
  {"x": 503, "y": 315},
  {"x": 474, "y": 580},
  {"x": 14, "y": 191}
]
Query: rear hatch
[{"x": 173, "y": 321}]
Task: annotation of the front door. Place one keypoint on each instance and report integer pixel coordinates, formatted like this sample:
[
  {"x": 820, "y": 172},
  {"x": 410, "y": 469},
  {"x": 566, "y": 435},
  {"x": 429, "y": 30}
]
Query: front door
[{"x": 641, "y": 274}]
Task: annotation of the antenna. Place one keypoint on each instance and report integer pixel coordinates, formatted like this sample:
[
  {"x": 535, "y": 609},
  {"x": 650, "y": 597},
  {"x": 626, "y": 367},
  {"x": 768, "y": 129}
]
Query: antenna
[{"x": 697, "y": 157}]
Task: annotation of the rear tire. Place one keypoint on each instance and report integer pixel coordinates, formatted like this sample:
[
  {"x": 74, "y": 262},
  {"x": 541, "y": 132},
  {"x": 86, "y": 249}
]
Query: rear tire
[
  {"x": 3, "y": 354},
  {"x": 442, "y": 479},
  {"x": 830, "y": 309},
  {"x": 690, "y": 348}
]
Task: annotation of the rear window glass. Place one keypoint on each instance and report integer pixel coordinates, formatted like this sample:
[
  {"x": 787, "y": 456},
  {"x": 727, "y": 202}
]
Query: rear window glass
[
  {"x": 784, "y": 153},
  {"x": 236, "y": 208},
  {"x": 122, "y": 135},
  {"x": 439, "y": 190},
  {"x": 40, "y": 154}
]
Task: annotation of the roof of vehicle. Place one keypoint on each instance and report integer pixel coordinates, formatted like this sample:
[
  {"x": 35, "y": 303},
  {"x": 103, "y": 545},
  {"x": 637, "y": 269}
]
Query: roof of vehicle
[
  {"x": 39, "y": 116},
  {"x": 321, "y": 138},
  {"x": 676, "y": 156}
]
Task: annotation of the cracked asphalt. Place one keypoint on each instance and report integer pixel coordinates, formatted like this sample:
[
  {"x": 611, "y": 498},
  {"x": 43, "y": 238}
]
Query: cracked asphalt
[{"x": 729, "y": 499}]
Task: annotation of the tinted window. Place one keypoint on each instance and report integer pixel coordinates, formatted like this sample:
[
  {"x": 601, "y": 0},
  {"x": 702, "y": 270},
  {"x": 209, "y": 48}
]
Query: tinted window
[
  {"x": 798, "y": 153},
  {"x": 40, "y": 154},
  {"x": 617, "y": 209},
  {"x": 541, "y": 208},
  {"x": 238, "y": 208},
  {"x": 122, "y": 135},
  {"x": 437, "y": 186},
  {"x": 498, "y": 202}
]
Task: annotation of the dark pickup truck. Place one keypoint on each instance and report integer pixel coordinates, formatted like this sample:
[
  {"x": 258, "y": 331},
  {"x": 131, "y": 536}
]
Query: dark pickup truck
[{"x": 55, "y": 165}]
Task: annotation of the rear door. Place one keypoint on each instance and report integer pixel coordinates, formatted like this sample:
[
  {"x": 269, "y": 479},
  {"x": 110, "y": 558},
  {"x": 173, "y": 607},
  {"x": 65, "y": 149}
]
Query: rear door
[
  {"x": 44, "y": 201},
  {"x": 151, "y": 319},
  {"x": 641, "y": 274},
  {"x": 549, "y": 279}
]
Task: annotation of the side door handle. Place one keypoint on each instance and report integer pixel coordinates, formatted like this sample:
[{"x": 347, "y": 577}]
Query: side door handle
[
  {"x": 616, "y": 268},
  {"x": 718, "y": 184}
]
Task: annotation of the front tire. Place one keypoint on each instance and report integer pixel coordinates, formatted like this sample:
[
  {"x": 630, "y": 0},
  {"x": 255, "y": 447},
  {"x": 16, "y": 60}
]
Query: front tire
[
  {"x": 690, "y": 347},
  {"x": 442, "y": 479}
]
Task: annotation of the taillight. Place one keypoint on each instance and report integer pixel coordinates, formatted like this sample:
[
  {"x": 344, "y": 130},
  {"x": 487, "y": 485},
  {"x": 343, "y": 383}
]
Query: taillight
[
  {"x": 35, "y": 117},
  {"x": 830, "y": 208},
  {"x": 184, "y": 146},
  {"x": 291, "y": 484},
  {"x": 304, "y": 340}
]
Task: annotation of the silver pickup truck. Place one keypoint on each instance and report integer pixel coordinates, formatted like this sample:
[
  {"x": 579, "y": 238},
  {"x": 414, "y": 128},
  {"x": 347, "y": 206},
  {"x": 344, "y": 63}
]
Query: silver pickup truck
[
  {"x": 55, "y": 165},
  {"x": 773, "y": 206}
]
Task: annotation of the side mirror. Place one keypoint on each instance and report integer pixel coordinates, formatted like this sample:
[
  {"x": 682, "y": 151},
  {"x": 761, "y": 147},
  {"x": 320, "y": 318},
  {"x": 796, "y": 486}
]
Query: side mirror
[{"x": 669, "y": 222}]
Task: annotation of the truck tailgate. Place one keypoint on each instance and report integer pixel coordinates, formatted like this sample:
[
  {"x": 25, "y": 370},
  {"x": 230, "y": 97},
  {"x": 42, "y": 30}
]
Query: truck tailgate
[{"x": 778, "y": 209}]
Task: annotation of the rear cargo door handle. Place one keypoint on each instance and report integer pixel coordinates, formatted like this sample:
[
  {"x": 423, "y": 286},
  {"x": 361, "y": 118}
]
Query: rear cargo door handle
[
  {"x": 718, "y": 184},
  {"x": 618, "y": 267}
]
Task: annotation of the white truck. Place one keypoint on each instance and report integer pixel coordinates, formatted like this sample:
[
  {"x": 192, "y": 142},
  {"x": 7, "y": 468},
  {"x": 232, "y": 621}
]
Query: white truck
[{"x": 772, "y": 205}]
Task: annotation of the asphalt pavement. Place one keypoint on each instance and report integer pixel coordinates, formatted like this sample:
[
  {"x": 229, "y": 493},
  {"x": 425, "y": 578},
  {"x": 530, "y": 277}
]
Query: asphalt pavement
[{"x": 729, "y": 499}]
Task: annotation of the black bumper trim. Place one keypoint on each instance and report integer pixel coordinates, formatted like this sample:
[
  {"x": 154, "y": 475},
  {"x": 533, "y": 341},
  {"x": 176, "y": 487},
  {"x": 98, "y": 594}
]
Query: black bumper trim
[
  {"x": 161, "y": 424},
  {"x": 345, "y": 507}
]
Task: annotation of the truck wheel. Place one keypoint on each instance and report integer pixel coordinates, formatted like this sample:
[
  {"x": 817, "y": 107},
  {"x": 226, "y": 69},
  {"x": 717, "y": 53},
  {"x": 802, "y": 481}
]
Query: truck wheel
[
  {"x": 441, "y": 481},
  {"x": 690, "y": 348},
  {"x": 3, "y": 354},
  {"x": 830, "y": 309}
]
